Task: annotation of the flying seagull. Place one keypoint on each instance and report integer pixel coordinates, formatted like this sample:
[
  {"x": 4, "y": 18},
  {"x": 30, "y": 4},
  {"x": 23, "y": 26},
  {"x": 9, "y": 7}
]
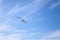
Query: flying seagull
[{"x": 21, "y": 20}]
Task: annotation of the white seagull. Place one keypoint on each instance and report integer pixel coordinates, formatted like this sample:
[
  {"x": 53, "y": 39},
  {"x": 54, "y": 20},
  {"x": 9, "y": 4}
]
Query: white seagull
[{"x": 21, "y": 20}]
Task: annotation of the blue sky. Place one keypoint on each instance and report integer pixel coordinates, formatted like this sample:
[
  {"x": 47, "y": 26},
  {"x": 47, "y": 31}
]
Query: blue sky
[{"x": 42, "y": 17}]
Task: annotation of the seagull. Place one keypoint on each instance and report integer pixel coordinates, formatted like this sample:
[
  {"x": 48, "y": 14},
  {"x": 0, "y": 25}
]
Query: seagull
[{"x": 21, "y": 20}]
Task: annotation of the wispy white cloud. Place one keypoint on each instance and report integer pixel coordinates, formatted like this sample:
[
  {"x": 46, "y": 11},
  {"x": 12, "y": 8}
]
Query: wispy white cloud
[
  {"x": 9, "y": 28},
  {"x": 24, "y": 8},
  {"x": 15, "y": 35},
  {"x": 52, "y": 36},
  {"x": 21, "y": 31},
  {"x": 54, "y": 5},
  {"x": 12, "y": 11},
  {"x": 11, "y": 37},
  {"x": 4, "y": 28}
]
